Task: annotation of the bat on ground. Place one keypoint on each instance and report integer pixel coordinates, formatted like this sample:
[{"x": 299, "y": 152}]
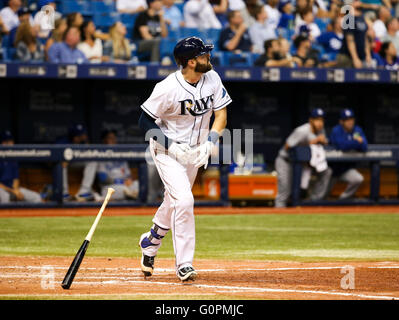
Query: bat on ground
[{"x": 73, "y": 269}]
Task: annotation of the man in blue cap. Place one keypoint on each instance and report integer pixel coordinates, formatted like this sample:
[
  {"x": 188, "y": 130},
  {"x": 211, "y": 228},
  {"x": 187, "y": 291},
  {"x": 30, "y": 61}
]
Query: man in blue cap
[
  {"x": 10, "y": 189},
  {"x": 347, "y": 136},
  {"x": 307, "y": 134}
]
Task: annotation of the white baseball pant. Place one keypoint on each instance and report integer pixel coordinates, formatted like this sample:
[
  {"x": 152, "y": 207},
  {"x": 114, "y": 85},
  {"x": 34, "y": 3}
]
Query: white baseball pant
[{"x": 177, "y": 209}]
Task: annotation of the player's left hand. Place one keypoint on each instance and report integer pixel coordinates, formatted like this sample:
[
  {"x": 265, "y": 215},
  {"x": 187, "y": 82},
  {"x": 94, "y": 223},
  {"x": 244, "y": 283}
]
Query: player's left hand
[{"x": 203, "y": 154}]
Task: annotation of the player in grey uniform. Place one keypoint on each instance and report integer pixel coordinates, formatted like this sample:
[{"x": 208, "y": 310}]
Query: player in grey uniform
[
  {"x": 304, "y": 135},
  {"x": 10, "y": 189}
]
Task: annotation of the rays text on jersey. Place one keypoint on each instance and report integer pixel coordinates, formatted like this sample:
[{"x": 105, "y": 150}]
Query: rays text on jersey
[{"x": 196, "y": 108}]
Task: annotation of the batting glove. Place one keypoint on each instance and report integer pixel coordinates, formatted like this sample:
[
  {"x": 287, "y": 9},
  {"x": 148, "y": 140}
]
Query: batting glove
[
  {"x": 180, "y": 152},
  {"x": 203, "y": 154}
]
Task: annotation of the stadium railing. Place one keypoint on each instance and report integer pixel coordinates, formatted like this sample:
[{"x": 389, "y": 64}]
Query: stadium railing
[
  {"x": 57, "y": 154},
  {"x": 142, "y": 71},
  {"x": 374, "y": 156}
]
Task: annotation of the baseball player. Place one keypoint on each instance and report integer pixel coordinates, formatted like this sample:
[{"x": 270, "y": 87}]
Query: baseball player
[
  {"x": 77, "y": 134},
  {"x": 306, "y": 134},
  {"x": 10, "y": 189},
  {"x": 347, "y": 136},
  {"x": 115, "y": 174},
  {"x": 176, "y": 118}
]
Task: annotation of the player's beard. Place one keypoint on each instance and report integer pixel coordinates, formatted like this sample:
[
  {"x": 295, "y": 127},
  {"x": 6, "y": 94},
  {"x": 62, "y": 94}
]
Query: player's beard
[{"x": 202, "y": 67}]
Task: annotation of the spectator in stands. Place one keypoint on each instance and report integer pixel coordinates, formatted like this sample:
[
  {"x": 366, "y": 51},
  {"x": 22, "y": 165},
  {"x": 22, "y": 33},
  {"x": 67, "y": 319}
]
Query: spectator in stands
[
  {"x": 41, "y": 15},
  {"x": 118, "y": 47},
  {"x": 332, "y": 40},
  {"x": 318, "y": 7},
  {"x": 347, "y": 136},
  {"x": 260, "y": 31},
  {"x": 60, "y": 26},
  {"x": 310, "y": 133},
  {"x": 287, "y": 17},
  {"x": 199, "y": 14},
  {"x": 379, "y": 25},
  {"x": 388, "y": 54},
  {"x": 150, "y": 28},
  {"x": 273, "y": 56},
  {"x": 91, "y": 46},
  {"x": 67, "y": 51},
  {"x": 10, "y": 189},
  {"x": 75, "y": 19},
  {"x": 235, "y": 37},
  {"x": 356, "y": 49},
  {"x": 285, "y": 50},
  {"x": 374, "y": 5},
  {"x": 23, "y": 15},
  {"x": 9, "y": 14},
  {"x": 115, "y": 174},
  {"x": 131, "y": 6},
  {"x": 77, "y": 134},
  {"x": 220, "y": 7},
  {"x": 306, "y": 25},
  {"x": 248, "y": 12},
  {"x": 304, "y": 56},
  {"x": 172, "y": 15},
  {"x": 392, "y": 32},
  {"x": 27, "y": 44},
  {"x": 273, "y": 15}
]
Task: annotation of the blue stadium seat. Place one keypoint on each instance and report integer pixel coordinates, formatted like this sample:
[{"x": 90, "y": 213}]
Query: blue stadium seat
[
  {"x": 180, "y": 6},
  {"x": 106, "y": 19},
  {"x": 10, "y": 54},
  {"x": 103, "y": 6},
  {"x": 128, "y": 19},
  {"x": 237, "y": 59},
  {"x": 174, "y": 35},
  {"x": 84, "y": 7},
  {"x": 166, "y": 47},
  {"x": 217, "y": 58},
  {"x": 189, "y": 32},
  {"x": 211, "y": 36}
]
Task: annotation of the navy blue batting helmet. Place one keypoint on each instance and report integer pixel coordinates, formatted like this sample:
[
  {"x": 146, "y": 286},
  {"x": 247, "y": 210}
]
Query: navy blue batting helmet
[{"x": 190, "y": 48}]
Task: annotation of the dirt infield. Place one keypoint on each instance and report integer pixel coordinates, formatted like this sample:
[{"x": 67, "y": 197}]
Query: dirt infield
[
  {"x": 41, "y": 276},
  {"x": 112, "y": 211}
]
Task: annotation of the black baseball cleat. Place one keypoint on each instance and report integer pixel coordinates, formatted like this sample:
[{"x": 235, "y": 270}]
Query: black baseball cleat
[
  {"x": 187, "y": 274},
  {"x": 147, "y": 265},
  {"x": 147, "y": 262}
]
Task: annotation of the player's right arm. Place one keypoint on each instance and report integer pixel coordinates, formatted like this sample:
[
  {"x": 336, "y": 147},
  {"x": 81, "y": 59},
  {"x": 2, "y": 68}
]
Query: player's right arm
[{"x": 147, "y": 124}]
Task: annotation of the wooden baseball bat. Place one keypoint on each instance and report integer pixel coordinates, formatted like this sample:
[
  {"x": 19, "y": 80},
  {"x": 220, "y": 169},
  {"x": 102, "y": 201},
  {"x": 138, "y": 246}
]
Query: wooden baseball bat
[{"x": 74, "y": 267}]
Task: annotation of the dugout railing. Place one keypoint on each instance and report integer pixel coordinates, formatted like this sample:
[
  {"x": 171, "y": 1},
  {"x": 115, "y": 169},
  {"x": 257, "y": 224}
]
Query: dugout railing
[
  {"x": 57, "y": 154},
  {"x": 374, "y": 157}
]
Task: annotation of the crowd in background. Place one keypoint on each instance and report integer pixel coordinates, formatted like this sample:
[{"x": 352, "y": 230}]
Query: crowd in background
[{"x": 286, "y": 33}]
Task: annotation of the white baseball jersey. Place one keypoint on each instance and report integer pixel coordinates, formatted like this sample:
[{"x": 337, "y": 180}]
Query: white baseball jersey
[{"x": 183, "y": 111}]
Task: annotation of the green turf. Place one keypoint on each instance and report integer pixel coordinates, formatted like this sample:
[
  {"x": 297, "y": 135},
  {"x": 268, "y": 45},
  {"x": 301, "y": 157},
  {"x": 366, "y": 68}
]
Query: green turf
[{"x": 310, "y": 237}]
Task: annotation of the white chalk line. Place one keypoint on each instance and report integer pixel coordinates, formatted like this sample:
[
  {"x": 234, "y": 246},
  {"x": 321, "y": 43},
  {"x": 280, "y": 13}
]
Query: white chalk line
[
  {"x": 224, "y": 289},
  {"x": 102, "y": 294},
  {"x": 200, "y": 270},
  {"x": 264, "y": 290}
]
